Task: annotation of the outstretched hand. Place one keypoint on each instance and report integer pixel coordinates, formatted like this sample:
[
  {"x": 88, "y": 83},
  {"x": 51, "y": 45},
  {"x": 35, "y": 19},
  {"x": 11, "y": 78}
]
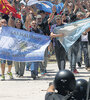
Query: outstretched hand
[{"x": 54, "y": 9}]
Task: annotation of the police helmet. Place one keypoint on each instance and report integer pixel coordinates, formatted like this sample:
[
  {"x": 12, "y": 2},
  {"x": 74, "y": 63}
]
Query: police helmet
[
  {"x": 81, "y": 89},
  {"x": 64, "y": 81},
  {"x": 81, "y": 85}
]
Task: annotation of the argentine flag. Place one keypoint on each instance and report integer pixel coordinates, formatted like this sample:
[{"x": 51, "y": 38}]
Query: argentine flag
[{"x": 46, "y": 6}]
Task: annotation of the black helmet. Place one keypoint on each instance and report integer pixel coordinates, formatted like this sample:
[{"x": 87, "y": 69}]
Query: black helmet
[
  {"x": 81, "y": 85},
  {"x": 64, "y": 81},
  {"x": 81, "y": 89}
]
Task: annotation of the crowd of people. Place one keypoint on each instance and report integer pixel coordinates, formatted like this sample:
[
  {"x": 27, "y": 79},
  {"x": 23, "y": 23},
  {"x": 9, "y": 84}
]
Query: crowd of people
[{"x": 41, "y": 22}]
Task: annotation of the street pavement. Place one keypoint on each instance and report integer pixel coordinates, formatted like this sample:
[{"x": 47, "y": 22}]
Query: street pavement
[{"x": 25, "y": 88}]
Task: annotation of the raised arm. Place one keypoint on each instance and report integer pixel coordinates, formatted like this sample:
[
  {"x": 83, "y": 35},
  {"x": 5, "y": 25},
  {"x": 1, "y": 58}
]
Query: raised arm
[
  {"x": 52, "y": 14},
  {"x": 11, "y": 20},
  {"x": 65, "y": 5}
]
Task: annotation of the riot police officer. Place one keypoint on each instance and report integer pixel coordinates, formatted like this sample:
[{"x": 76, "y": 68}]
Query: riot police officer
[
  {"x": 64, "y": 83},
  {"x": 80, "y": 92},
  {"x": 68, "y": 88}
]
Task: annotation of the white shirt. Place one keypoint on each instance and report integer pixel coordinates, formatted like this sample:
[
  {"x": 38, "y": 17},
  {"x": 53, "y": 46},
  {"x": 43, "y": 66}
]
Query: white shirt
[{"x": 84, "y": 37}]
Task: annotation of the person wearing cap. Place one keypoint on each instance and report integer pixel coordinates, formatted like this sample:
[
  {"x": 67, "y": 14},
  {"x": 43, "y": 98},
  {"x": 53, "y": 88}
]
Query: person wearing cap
[
  {"x": 44, "y": 25},
  {"x": 39, "y": 20},
  {"x": 46, "y": 20},
  {"x": 41, "y": 26},
  {"x": 38, "y": 16},
  {"x": 59, "y": 49}
]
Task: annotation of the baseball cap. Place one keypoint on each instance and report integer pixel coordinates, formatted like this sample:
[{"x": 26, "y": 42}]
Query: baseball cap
[{"x": 38, "y": 16}]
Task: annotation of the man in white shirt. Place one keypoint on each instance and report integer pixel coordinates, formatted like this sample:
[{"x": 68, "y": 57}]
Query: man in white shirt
[{"x": 84, "y": 49}]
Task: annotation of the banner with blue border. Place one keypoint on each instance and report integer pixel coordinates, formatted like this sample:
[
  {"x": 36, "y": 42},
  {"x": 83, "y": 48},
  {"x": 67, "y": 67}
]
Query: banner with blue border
[{"x": 20, "y": 45}]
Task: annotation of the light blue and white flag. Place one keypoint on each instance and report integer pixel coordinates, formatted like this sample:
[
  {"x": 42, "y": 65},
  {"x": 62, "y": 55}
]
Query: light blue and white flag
[
  {"x": 72, "y": 32},
  {"x": 46, "y": 5},
  {"x": 21, "y": 45}
]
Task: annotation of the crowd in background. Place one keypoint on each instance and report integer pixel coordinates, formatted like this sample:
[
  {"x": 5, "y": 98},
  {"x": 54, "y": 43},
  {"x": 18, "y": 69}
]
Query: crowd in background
[{"x": 41, "y": 22}]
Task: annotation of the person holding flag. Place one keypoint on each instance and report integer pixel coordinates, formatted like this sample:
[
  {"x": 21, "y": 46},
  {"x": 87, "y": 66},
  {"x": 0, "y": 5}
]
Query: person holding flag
[
  {"x": 4, "y": 23},
  {"x": 59, "y": 49}
]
